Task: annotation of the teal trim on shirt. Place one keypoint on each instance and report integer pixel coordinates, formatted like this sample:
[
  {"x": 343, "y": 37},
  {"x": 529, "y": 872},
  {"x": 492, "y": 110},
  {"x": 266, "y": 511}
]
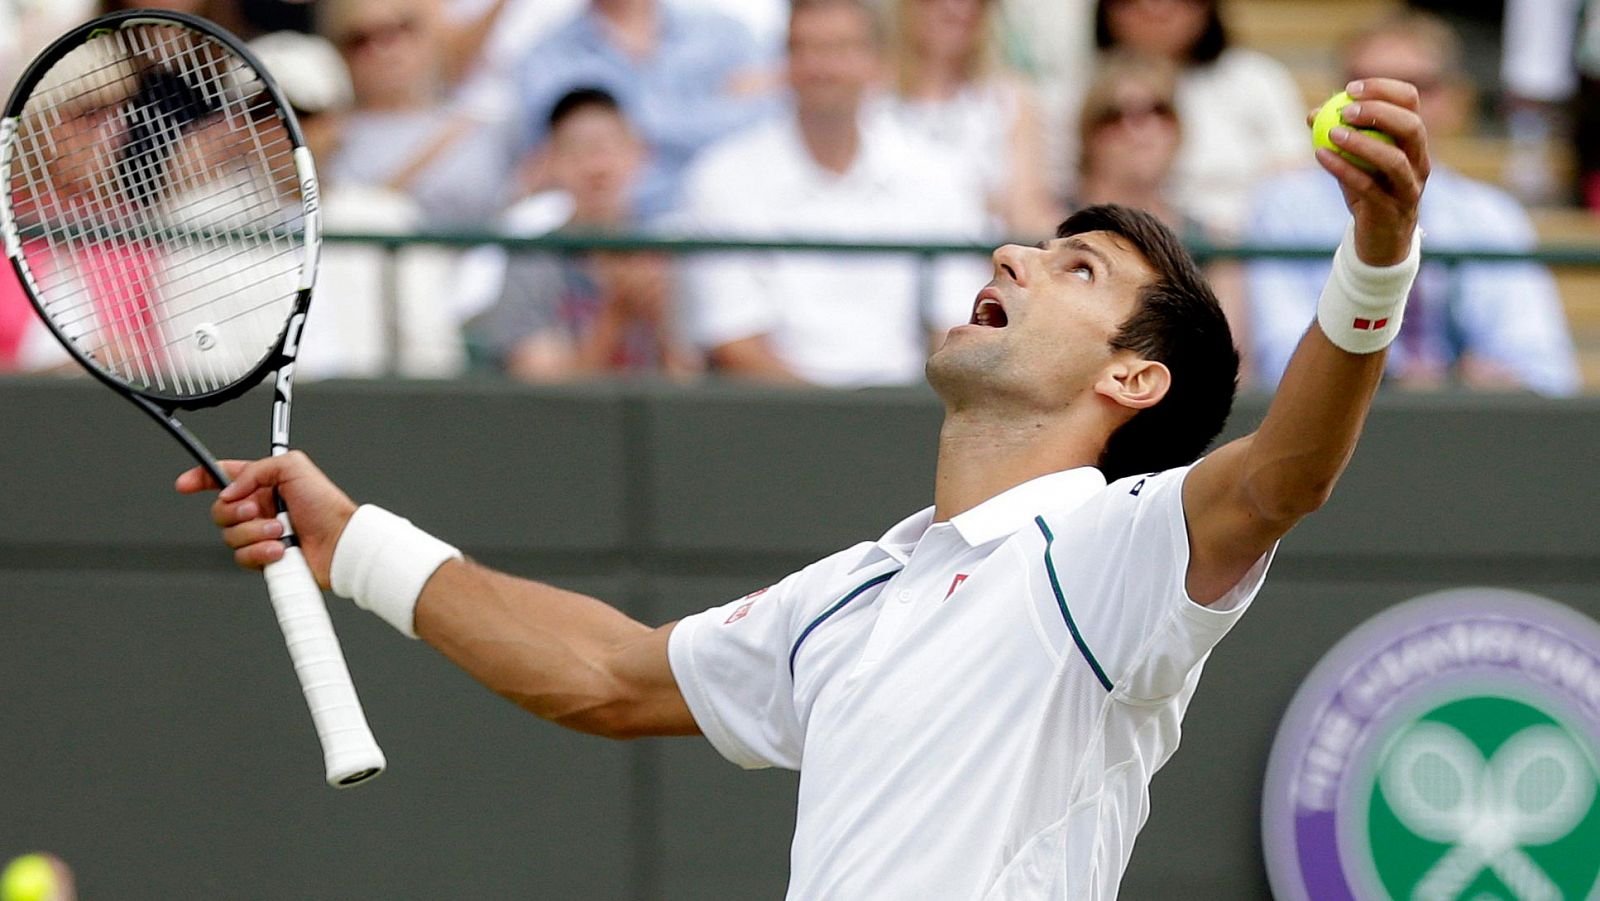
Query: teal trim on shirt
[{"x": 1061, "y": 601}]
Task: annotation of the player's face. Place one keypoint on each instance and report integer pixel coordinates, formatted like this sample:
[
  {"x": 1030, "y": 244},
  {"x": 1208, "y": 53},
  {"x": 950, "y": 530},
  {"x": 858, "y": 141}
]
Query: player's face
[{"x": 1040, "y": 333}]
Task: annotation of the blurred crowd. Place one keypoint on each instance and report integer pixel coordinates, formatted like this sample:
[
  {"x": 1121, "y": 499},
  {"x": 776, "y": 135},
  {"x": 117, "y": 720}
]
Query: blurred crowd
[{"x": 938, "y": 121}]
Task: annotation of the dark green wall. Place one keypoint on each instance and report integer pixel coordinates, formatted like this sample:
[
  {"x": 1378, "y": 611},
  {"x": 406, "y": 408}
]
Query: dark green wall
[{"x": 151, "y": 731}]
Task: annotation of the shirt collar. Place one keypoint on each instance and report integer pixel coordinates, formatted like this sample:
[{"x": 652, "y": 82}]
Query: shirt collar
[{"x": 999, "y": 516}]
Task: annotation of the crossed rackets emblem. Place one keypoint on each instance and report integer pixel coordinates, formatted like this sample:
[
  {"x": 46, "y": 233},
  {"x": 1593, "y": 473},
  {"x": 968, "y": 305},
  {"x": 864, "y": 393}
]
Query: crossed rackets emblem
[{"x": 1536, "y": 788}]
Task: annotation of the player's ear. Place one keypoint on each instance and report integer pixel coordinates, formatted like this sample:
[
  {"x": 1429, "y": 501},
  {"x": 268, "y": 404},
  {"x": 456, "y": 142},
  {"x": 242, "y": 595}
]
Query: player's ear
[{"x": 1134, "y": 382}]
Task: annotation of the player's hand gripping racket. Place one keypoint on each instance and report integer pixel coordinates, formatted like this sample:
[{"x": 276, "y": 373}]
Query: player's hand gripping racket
[{"x": 160, "y": 208}]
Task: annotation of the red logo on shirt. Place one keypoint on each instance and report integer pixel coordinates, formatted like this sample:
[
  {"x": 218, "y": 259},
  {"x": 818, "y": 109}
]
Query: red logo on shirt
[
  {"x": 954, "y": 584},
  {"x": 744, "y": 609}
]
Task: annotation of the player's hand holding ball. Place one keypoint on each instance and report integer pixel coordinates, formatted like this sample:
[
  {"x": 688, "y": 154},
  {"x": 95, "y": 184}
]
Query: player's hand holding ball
[
  {"x": 1329, "y": 117},
  {"x": 1372, "y": 140}
]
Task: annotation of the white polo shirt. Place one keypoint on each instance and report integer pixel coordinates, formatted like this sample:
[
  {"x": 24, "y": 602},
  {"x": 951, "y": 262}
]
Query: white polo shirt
[
  {"x": 976, "y": 707},
  {"x": 840, "y": 320}
]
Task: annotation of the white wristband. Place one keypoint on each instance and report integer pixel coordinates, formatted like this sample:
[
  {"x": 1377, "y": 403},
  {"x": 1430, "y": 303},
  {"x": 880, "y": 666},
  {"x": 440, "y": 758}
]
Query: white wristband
[
  {"x": 1362, "y": 306},
  {"x": 382, "y": 561}
]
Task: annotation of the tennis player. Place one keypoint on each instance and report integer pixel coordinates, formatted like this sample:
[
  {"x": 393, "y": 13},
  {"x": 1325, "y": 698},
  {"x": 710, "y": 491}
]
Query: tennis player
[{"x": 977, "y": 700}]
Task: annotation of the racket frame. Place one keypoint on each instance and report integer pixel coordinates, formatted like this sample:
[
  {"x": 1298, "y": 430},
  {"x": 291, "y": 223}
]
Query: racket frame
[
  {"x": 280, "y": 358},
  {"x": 283, "y": 353}
]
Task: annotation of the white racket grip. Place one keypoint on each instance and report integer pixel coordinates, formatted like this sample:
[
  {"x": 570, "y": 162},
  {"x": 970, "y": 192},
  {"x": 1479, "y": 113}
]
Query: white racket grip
[{"x": 349, "y": 751}]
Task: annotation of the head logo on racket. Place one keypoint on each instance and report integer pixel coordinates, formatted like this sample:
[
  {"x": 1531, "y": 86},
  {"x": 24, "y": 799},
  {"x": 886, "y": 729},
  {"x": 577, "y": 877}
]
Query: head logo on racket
[{"x": 1445, "y": 749}]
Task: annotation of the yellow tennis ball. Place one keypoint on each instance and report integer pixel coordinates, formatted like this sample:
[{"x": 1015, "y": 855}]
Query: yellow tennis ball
[
  {"x": 1328, "y": 118},
  {"x": 30, "y": 877}
]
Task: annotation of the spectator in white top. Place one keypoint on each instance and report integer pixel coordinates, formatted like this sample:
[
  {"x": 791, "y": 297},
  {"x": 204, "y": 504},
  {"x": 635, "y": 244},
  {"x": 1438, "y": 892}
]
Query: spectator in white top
[
  {"x": 400, "y": 134},
  {"x": 829, "y": 170},
  {"x": 1482, "y": 325},
  {"x": 1241, "y": 110},
  {"x": 949, "y": 88},
  {"x": 357, "y": 329}
]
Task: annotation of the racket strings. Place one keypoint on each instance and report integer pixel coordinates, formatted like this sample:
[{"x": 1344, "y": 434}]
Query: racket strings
[
  {"x": 156, "y": 174},
  {"x": 146, "y": 168},
  {"x": 132, "y": 168}
]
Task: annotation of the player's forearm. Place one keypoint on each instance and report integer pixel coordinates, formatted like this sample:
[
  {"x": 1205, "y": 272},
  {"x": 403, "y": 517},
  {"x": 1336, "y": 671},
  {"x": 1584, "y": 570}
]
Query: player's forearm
[
  {"x": 555, "y": 653},
  {"x": 1310, "y": 430}
]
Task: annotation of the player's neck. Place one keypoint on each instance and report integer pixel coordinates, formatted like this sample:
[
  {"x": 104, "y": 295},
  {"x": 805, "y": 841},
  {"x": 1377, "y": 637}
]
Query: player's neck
[{"x": 981, "y": 456}]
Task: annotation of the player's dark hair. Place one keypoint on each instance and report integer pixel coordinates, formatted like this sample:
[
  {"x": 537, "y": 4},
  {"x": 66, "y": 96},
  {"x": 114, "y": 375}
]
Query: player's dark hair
[
  {"x": 579, "y": 99},
  {"x": 1213, "y": 39},
  {"x": 1180, "y": 324}
]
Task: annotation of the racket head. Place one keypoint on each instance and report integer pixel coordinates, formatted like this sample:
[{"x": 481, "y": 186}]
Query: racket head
[{"x": 159, "y": 206}]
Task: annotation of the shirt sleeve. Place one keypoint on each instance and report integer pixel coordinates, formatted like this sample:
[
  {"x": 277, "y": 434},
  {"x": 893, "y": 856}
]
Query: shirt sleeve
[
  {"x": 731, "y": 664},
  {"x": 1120, "y": 567}
]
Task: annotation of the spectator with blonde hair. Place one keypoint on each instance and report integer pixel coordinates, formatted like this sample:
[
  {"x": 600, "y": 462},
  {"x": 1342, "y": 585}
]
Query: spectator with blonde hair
[
  {"x": 1131, "y": 138},
  {"x": 1241, "y": 110},
  {"x": 1130, "y": 135},
  {"x": 949, "y": 87}
]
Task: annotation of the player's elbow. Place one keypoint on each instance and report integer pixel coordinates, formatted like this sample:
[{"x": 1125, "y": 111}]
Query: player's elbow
[
  {"x": 617, "y": 720},
  {"x": 1287, "y": 501},
  {"x": 611, "y": 706},
  {"x": 1284, "y": 495}
]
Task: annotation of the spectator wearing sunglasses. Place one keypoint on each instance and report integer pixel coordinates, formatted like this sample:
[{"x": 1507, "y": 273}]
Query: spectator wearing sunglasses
[
  {"x": 1241, "y": 110},
  {"x": 1130, "y": 135},
  {"x": 1132, "y": 139}
]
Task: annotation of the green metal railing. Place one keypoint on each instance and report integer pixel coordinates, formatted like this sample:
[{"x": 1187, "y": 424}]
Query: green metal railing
[{"x": 1585, "y": 256}]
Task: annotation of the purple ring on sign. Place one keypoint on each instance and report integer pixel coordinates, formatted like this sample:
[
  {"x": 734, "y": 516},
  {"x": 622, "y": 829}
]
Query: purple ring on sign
[{"x": 1457, "y": 636}]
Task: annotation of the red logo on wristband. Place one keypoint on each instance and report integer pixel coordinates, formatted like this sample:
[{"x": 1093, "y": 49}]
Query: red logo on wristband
[{"x": 1368, "y": 325}]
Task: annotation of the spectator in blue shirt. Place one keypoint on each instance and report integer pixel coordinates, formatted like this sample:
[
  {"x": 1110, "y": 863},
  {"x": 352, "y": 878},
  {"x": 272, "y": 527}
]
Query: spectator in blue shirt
[
  {"x": 684, "y": 78},
  {"x": 1482, "y": 325}
]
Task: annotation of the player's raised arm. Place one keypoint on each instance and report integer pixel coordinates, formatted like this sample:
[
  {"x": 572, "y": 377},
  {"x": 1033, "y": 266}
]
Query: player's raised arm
[
  {"x": 566, "y": 657},
  {"x": 1247, "y": 494}
]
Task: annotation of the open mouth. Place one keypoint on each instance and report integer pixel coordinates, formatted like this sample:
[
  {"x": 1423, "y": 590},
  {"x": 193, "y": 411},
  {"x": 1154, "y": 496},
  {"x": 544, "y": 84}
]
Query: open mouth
[{"x": 988, "y": 312}]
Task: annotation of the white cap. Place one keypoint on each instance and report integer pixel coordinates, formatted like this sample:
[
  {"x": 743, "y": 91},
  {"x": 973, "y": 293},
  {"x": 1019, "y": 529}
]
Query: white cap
[{"x": 308, "y": 69}]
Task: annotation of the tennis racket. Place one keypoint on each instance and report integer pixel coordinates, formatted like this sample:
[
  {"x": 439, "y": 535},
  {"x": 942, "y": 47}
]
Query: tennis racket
[{"x": 160, "y": 208}]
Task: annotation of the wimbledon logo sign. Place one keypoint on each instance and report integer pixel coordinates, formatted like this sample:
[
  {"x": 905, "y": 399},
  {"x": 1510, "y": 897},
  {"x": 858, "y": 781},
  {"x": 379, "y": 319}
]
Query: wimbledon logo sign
[{"x": 1444, "y": 750}]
